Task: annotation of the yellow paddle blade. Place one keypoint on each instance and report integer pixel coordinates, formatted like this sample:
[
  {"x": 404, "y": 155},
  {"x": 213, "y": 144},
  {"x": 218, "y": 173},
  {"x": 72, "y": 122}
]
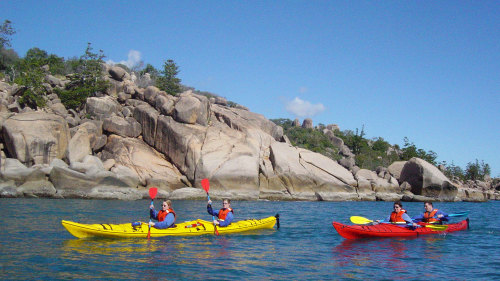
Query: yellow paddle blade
[
  {"x": 437, "y": 227},
  {"x": 360, "y": 220}
]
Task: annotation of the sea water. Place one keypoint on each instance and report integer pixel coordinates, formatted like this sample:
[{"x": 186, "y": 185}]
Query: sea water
[{"x": 35, "y": 246}]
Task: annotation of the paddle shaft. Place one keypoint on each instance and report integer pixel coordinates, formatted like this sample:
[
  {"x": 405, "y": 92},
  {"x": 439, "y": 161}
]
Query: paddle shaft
[
  {"x": 213, "y": 218},
  {"x": 152, "y": 193},
  {"x": 149, "y": 224}
]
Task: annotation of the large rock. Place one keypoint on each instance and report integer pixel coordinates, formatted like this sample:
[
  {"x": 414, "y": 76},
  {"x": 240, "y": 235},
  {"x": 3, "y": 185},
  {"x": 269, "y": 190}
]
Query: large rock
[
  {"x": 79, "y": 145},
  {"x": 308, "y": 175},
  {"x": 147, "y": 116},
  {"x": 230, "y": 159},
  {"x": 395, "y": 168},
  {"x": 427, "y": 180},
  {"x": 101, "y": 108},
  {"x": 16, "y": 171},
  {"x": 244, "y": 121},
  {"x": 378, "y": 184},
  {"x": 307, "y": 124},
  {"x": 144, "y": 162},
  {"x": 187, "y": 109},
  {"x": 36, "y": 137},
  {"x": 125, "y": 127},
  {"x": 117, "y": 73},
  {"x": 182, "y": 144}
]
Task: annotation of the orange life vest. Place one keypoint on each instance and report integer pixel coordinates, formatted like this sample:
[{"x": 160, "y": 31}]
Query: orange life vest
[
  {"x": 223, "y": 213},
  {"x": 163, "y": 214},
  {"x": 398, "y": 217},
  {"x": 429, "y": 217}
]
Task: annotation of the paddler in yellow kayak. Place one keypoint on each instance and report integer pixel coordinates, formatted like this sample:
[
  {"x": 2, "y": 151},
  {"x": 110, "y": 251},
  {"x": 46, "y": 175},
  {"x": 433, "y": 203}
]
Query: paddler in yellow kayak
[
  {"x": 165, "y": 217},
  {"x": 224, "y": 215}
]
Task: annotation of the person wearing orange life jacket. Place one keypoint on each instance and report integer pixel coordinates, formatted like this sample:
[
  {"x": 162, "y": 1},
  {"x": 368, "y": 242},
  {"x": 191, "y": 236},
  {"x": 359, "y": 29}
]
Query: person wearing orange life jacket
[
  {"x": 165, "y": 217},
  {"x": 398, "y": 216},
  {"x": 224, "y": 215},
  {"x": 431, "y": 215}
]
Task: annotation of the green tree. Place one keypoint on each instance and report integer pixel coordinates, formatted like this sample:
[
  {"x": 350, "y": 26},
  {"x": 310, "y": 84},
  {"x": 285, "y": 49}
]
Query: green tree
[
  {"x": 476, "y": 170},
  {"x": 6, "y": 30},
  {"x": 7, "y": 56},
  {"x": 169, "y": 82},
  {"x": 356, "y": 141},
  {"x": 410, "y": 150},
  {"x": 41, "y": 58},
  {"x": 86, "y": 82},
  {"x": 31, "y": 77}
]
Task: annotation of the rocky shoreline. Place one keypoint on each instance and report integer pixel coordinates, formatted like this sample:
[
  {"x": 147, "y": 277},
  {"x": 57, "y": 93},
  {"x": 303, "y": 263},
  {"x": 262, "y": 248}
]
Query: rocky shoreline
[{"x": 130, "y": 138}]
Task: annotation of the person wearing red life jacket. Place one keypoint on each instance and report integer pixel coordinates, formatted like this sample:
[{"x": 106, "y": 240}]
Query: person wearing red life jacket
[
  {"x": 431, "y": 215},
  {"x": 398, "y": 216},
  {"x": 225, "y": 215},
  {"x": 165, "y": 217}
]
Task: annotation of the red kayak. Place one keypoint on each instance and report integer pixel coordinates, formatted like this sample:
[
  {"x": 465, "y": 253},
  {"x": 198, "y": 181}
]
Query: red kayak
[{"x": 391, "y": 230}]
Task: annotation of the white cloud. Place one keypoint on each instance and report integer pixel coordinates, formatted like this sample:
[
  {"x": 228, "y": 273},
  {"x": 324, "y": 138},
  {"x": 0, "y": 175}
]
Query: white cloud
[
  {"x": 301, "y": 108},
  {"x": 134, "y": 58}
]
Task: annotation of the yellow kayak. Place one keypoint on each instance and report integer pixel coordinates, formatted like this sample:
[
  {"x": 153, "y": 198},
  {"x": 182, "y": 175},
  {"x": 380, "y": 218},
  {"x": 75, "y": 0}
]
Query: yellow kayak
[{"x": 190, "y": 228}]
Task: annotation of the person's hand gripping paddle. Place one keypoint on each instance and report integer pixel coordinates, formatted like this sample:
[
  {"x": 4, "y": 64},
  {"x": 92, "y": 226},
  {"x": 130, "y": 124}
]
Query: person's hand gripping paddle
[
  {"x": 152, "y": 193},
  {"x": 206, "y": 186}
]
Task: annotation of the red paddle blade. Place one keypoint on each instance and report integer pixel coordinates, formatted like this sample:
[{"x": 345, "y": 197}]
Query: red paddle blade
[
  {"x": 205, "y": 184},
  {"x": 152, "y": 192}
]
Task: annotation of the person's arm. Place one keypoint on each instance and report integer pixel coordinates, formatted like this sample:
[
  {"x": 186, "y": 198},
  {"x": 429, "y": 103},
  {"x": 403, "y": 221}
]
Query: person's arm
[
  {"x": 166, "y": 223},
  {"x": 228, "y": 220},
  {"x": 418, "y": 218},
  {"x": 212, "y": 212},
  {"x": 407, "y": 218},
  {"x": 442, "y": 215},
  {"x": 153, "y": 213}
]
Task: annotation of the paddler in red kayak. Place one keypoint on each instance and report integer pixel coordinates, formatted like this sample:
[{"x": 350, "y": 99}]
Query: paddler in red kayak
[
  {"x": 165, "y": 217},
  {"x": 224, "y": 215},
  {"x": 431, "y": 215},
  {"x": 399, "y": 215}
]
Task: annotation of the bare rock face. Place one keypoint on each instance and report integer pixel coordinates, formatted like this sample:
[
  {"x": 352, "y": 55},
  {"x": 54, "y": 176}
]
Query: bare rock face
[
  {"x": 310, "y": 176},
  {"x": 117, "y": 73},
  {"x": 147, "y": 116},
  {"x": 426, "y": 180},
  {"x": 243, "y": 121},
  {"x": 144, "y": 162},
  {"x": 36, "y": 137},
  {"x": 296, "y": 123},
  {"x": 181, "y": 142},
  {"x": 395, "y": 168},
  {"x": 307, "y": 124},
  {"x": 79, "y": 146},
  {"x": 187, "y": 109},
  {"x": 125, "y": 127},
  {"x": 101, "y": 108}
]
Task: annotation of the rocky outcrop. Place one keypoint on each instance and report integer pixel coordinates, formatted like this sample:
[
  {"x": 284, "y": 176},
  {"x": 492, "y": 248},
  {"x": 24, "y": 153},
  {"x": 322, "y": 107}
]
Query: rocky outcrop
[
  {"x": 129, "y": 139},
  {"x": 427, "y": 180},
  {"x": 36, "y": 137}
]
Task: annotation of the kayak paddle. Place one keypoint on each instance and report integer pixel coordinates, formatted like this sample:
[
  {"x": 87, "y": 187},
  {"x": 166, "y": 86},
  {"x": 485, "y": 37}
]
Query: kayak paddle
[
  {"x": 206, "y": 186},
  {"x": 152, "y": 194},
  {"x": 363, "y": 220},
  {"x": 461, "y": 214}
]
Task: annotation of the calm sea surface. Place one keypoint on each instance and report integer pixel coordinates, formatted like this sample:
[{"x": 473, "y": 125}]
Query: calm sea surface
[{"x": 35, "y": 246}]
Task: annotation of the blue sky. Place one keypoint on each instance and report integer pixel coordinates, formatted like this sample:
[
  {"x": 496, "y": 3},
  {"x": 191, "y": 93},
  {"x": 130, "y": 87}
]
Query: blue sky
[{"x": 426, "y": 70}]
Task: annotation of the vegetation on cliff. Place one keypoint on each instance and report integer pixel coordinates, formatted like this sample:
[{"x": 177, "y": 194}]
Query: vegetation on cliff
[{"x": 375, "y": 152}]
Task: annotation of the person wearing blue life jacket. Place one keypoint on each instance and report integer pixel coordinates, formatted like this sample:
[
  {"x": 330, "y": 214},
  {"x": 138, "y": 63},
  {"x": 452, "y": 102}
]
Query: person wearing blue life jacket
[
  {"x": 165, "y": 217},
  {"x": 398, "y": 216},
  {"x": 224, "y": 215},
  {"x": 431, "y": 215}
]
